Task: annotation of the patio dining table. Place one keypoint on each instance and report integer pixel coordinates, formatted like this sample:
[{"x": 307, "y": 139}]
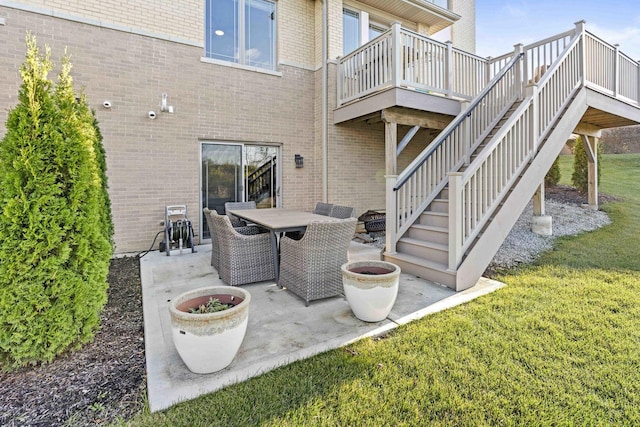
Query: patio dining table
[{"x": 277, "y": 221}]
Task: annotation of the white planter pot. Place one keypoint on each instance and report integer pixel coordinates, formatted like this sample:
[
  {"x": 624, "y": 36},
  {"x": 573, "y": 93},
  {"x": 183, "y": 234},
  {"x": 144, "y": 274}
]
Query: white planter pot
[
  {"x": 371, "y": 288},
  {"x": 209, "y": 342}
]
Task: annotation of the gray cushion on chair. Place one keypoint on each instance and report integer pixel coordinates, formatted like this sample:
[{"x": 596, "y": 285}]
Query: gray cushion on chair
[
  {"x": 323, "y": 209},
  {"x": 338, "y": 211},
  {"x": 235, "y": 221}
]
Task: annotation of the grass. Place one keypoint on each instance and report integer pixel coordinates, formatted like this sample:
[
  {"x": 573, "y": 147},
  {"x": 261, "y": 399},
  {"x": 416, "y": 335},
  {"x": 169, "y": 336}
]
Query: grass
[{"x": 560, "y": 345}]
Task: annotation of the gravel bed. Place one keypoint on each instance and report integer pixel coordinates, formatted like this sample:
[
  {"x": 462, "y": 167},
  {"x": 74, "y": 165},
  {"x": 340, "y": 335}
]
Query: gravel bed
[
  {"x": 563, "y": 204},
  {"x": 524, "y": 246}
]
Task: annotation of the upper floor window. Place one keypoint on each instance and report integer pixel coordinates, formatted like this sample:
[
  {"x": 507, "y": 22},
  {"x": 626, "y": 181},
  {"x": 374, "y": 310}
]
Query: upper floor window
[
  {"x": 357, "y": 29},
  {"x": 375, "y": 30},
  {"x": 350, "y": 30},
  {"x": 241, "y": 31}
]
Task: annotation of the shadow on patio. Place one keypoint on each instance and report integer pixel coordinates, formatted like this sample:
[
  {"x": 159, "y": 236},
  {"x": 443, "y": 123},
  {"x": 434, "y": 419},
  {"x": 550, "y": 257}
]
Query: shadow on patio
[{"x": 281, "y": 329}]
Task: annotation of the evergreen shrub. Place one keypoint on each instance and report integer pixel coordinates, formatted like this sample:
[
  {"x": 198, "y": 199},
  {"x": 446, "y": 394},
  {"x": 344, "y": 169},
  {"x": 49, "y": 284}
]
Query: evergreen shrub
[
  {"x": 580, "y": 176},
  {"x": 55, "y": 228},
  {"x": 552, "y": 178}
]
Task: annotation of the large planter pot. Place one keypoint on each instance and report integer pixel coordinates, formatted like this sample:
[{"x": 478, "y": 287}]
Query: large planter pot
[
  {"x": 209, "y": 342},
  {"x": 371, "y": 288}
]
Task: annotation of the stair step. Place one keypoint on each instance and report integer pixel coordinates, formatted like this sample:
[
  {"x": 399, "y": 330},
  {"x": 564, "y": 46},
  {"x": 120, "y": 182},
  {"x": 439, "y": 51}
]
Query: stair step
[
  {"x": 429, "y": 233},
  {"x": 428, "y": 270},
  {"x": 436, "y": 252},
  {"x": 439, "y": 205},
  {"x": 437, "y": 219}
]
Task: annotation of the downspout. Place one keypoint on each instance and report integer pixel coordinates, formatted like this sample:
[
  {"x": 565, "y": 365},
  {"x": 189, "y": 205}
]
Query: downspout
[{"x": 325, "y": 106}]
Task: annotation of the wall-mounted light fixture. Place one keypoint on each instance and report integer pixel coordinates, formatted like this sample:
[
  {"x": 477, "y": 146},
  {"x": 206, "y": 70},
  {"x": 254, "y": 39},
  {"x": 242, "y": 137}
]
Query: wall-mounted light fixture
[
  {"x": 299, "y": 161},
  {"x": 163, "y": 105}
]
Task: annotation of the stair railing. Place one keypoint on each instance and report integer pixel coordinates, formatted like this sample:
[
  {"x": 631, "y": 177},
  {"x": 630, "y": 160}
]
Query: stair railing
[
  {"x": 426, "y": 176},
  {"x": 477, "y": 192}
]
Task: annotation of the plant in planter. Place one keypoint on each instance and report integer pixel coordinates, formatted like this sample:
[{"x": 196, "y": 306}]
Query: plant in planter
[
  {"x": 208, "y": 326},
  {"x": 371, "y": 288}
]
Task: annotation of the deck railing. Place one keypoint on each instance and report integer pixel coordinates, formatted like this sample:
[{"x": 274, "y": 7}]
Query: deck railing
[
  {"x": 476, "y": 193},
  {"x": 609, "y": 70},
  {"x": 403, "y": 58},
  {"x": 546, "y": 79}
]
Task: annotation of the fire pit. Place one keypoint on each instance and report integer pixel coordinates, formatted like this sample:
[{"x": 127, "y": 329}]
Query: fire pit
[{"x": 373, "y": 221}]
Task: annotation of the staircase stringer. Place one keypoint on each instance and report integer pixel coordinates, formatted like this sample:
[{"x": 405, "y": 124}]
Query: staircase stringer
[{"x": 489, "y": 241}]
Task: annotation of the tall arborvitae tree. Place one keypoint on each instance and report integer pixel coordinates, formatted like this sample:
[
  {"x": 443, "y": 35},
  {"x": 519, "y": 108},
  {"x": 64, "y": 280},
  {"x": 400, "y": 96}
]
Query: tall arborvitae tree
[
  {"x": 76, "y": 109},
  {"x": 54, "y": 250},
  {"x": 101, "y": 158}
]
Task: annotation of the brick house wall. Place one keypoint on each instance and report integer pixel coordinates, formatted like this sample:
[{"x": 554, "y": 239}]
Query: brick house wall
[
  {"x": 129, "y": 53},
  {"x": 154, "y": 163}
]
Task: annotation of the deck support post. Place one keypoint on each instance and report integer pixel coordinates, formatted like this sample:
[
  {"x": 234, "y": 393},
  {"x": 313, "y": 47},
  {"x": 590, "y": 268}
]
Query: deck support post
[
  {"x": 390, "y": 176},
  {"x": 591, "y": 148},
  {"x": 541, "y": 223}
]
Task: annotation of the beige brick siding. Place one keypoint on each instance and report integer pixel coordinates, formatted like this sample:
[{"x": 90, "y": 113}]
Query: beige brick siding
[
  {"x": 185, "y": 21},
  {"x": 297, "y": 32},
  {"x": 153, "y": 163},
  {"x": 463, "y": 32},
  {"x": 184, "y": 18}
]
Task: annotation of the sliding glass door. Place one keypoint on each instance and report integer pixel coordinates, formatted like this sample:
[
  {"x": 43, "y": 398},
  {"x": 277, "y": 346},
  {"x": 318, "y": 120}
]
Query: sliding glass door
[{"x": 233, "y": 172}]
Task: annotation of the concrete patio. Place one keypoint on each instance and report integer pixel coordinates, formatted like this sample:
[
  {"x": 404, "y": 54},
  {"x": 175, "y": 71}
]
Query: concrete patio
[{"x": 281, "y": 329}]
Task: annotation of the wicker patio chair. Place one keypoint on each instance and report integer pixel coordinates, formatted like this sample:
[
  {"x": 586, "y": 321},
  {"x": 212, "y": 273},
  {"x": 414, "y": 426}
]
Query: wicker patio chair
[
  {"x": 235, "y": 221},
  {"x": 243, "y": 258},
  {"x": 338, "y": 211},
  {"x": 215, "y": 247},
  {"x": 323, "y": 209},
  {"x": 310, "y": 267},
  {"x": 249, "y": 230}
]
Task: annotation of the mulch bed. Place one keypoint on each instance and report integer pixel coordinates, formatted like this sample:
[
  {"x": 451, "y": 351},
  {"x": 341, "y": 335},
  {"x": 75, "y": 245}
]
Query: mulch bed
[
  {"x": 101, "y": 382},
  {"x": 569, "y": 195}
]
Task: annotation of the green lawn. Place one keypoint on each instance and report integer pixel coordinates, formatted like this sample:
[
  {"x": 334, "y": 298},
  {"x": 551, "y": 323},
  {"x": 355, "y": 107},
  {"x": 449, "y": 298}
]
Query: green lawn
[{"x": 560, "y": 345}]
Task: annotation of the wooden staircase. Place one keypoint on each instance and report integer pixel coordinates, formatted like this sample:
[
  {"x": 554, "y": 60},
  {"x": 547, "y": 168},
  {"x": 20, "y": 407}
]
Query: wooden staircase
[
  {"x": 424, "y": 249},
  {"x": 454, "y": 205}
]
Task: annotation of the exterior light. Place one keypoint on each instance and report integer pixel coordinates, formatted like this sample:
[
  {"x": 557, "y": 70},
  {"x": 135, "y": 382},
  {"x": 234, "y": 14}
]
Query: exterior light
[
  {"x": 299, "y": 161},
  {"x": 219, "y": 33}
]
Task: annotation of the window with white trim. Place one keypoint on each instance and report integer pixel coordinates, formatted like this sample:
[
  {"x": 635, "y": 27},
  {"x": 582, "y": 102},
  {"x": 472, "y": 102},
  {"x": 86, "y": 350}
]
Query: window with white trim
[
  {"x": 357, "y": 29},
  {"x": 241, "y": 31}
]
